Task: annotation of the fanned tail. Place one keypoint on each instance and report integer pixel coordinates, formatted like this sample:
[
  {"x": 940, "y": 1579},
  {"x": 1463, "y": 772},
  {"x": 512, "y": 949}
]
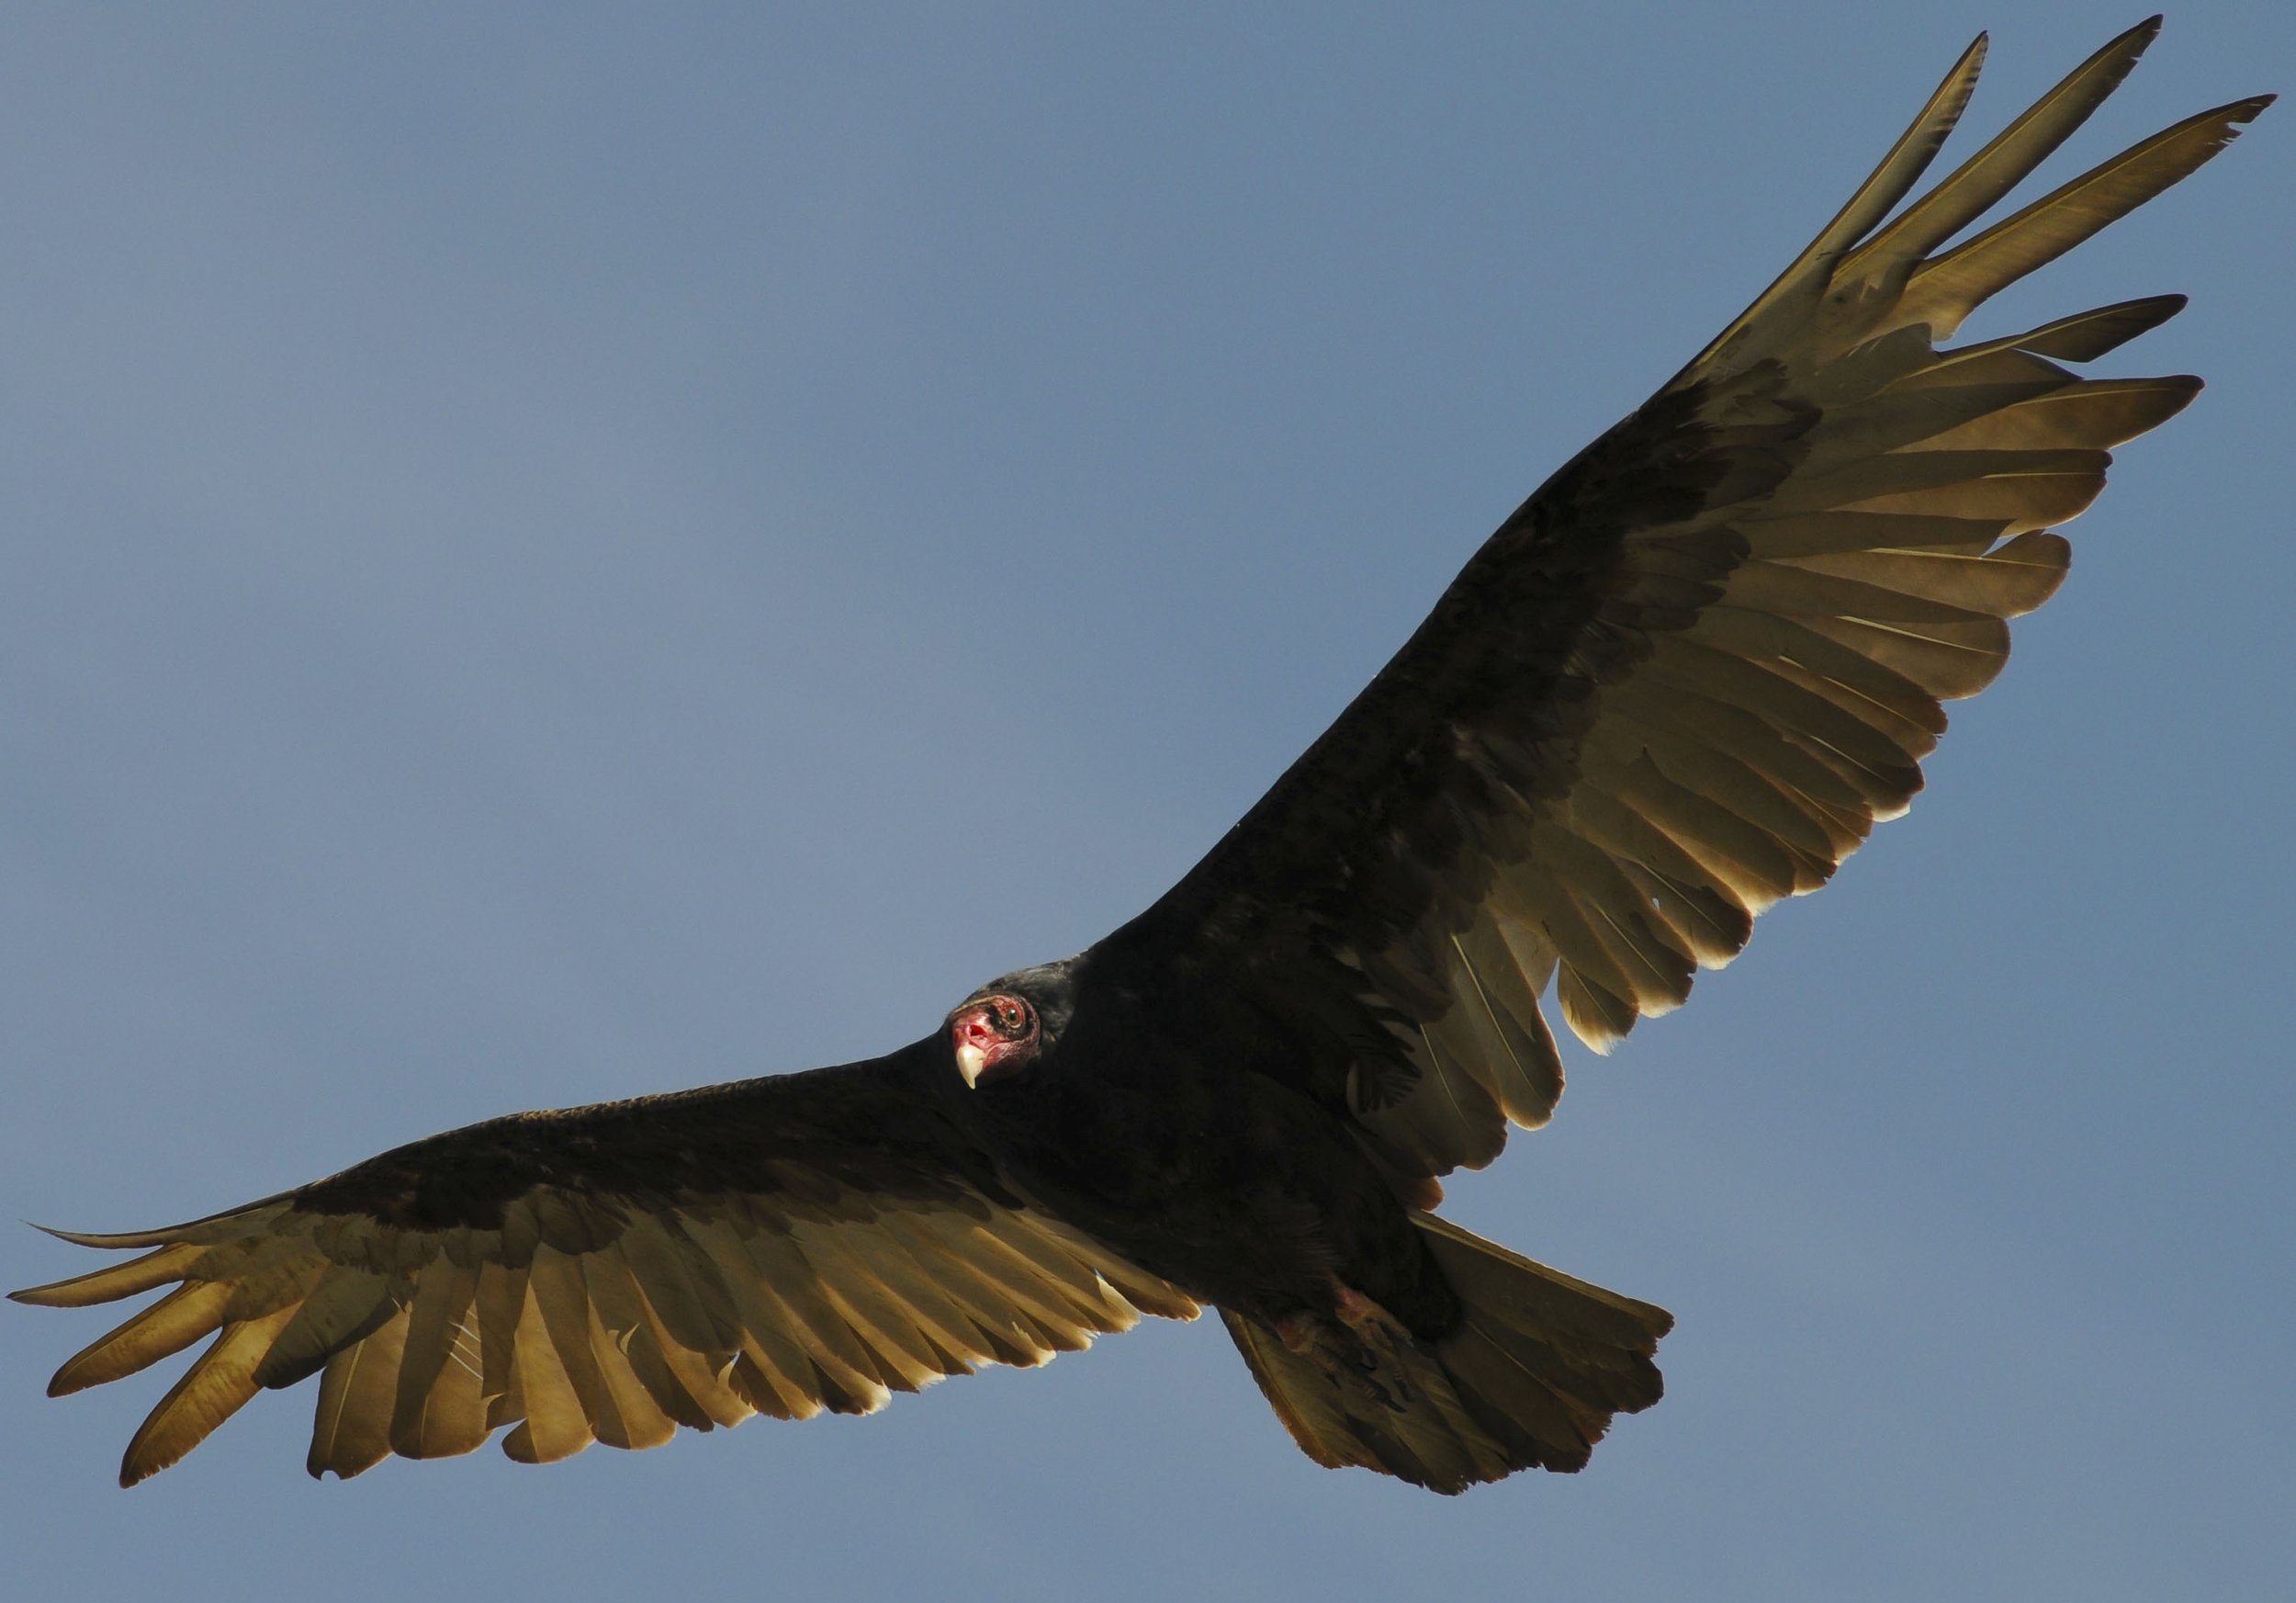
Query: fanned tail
[{"x": 1530, "y": 1378}]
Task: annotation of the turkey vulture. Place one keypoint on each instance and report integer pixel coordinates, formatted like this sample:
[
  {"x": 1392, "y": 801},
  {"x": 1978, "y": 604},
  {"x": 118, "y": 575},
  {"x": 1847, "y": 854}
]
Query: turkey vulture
[{"x": 1681, "y": 681}]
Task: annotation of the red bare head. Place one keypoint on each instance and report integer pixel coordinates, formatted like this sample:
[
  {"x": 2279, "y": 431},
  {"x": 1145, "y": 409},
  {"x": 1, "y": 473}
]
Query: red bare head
[{"x": 993, "y": 1036}]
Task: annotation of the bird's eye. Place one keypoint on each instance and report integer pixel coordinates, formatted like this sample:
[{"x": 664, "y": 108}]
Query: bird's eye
[{"x": 1011, "y": 1015}]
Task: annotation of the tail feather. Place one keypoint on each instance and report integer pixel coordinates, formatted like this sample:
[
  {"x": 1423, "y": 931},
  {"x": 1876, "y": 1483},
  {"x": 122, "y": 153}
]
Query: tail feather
[{"x": 1529, "y": 1379}]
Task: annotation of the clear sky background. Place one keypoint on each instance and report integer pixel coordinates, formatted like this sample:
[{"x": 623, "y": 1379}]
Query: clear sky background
[{"x": 529, "y": 531}]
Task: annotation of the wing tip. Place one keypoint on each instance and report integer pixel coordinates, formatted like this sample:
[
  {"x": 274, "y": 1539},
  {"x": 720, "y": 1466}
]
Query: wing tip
[
  {"x": 207, "y": 1231},
  {"x": 121, "y": 1240},
  {"x": 137, "y": 1466},
  {"x": 2231, "y": 117}
]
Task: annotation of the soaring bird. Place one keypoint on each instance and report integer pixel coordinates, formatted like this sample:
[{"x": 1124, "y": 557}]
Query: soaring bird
[{"x": 1681, "y": 681}]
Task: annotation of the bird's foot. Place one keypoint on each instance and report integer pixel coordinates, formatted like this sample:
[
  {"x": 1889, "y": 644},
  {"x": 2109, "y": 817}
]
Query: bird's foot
[
  {"x": 1380, "y": 1337},
  {"x": 1373, "y": 1324},
  {"x": 1362, "y": 1350}
]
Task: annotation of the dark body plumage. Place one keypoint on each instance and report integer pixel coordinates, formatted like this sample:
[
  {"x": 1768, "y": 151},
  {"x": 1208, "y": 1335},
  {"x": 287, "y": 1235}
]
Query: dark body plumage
[
  {"x": 1682, "y": 681},
  {"x": 1182, "y": 1136}
]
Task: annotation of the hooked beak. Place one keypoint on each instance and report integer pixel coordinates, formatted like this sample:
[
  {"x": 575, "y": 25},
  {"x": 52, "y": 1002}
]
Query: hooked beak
[
  {"x": 971, "y": 1060},
  {"x": 977, "y": 1044}
]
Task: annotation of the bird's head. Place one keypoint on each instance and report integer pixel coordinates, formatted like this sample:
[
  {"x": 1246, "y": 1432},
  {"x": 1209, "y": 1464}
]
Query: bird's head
[{"x": 1005, "y": 1026}]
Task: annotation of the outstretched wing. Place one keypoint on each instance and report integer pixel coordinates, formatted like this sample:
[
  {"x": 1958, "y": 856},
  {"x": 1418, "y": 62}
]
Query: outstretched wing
[
  {"x": 1688, "y": 675},
  {"x": 778, "y": 1246}
]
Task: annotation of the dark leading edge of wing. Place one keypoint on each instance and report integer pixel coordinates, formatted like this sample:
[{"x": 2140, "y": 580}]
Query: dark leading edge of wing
[{"x": 1688, "y": 676}]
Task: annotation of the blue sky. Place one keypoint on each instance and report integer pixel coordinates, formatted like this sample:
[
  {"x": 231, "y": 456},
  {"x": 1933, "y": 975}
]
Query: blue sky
[{"x": 520, "y": 522}]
